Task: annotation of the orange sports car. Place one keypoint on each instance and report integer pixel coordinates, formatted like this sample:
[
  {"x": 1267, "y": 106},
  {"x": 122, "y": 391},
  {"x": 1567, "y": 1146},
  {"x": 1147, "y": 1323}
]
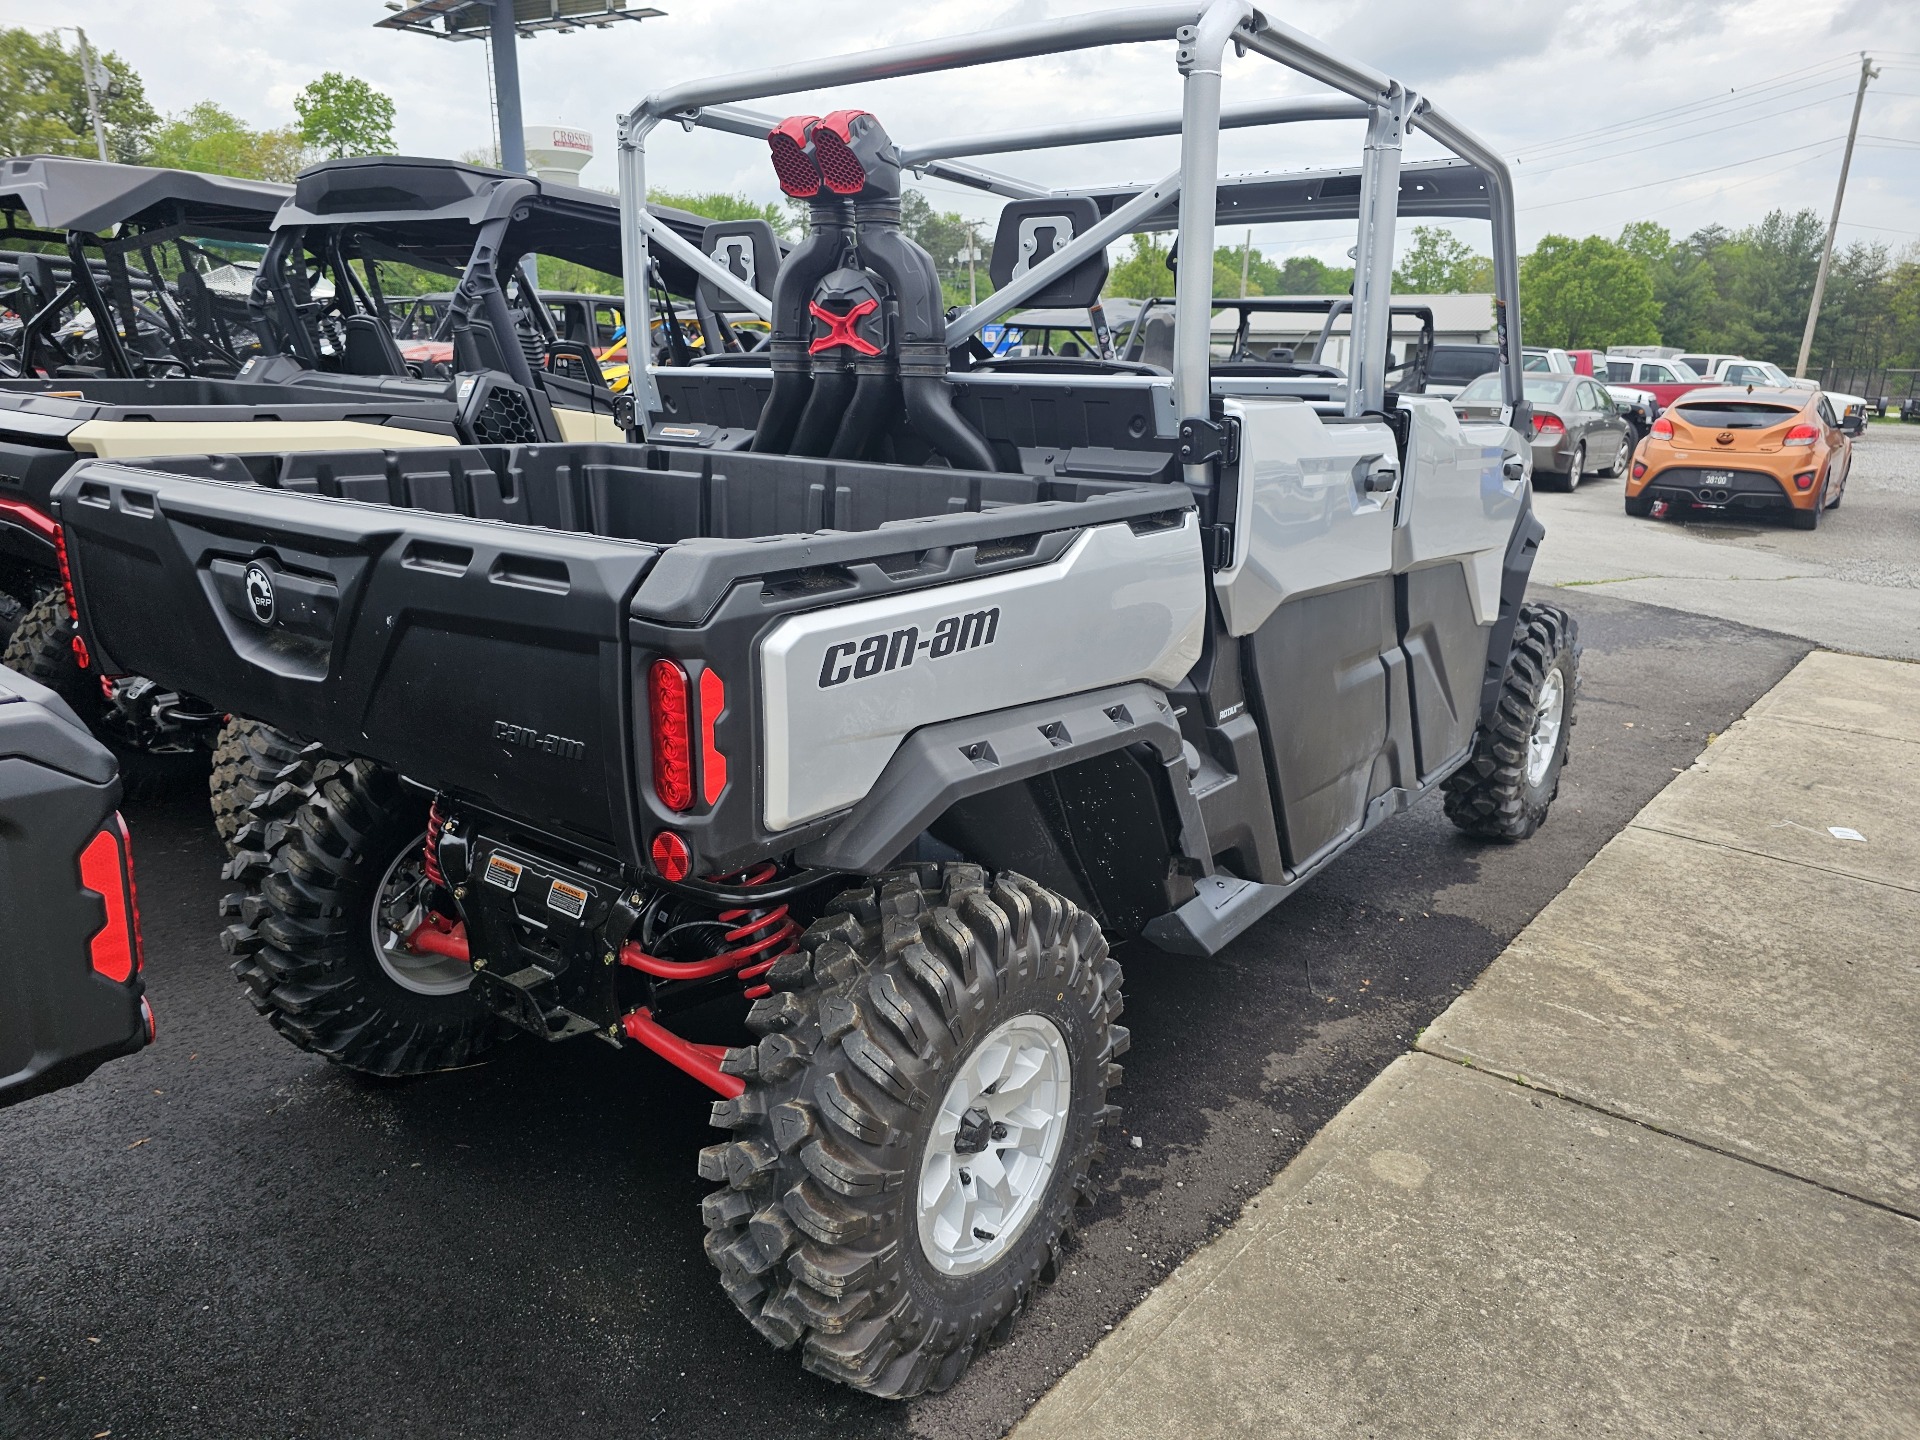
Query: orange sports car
[{"x": 1743, "y": 448}]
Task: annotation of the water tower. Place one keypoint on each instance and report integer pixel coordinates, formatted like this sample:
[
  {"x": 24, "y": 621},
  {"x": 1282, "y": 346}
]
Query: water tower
[
  {"x": 500, "y": 23},
  {"x": 558, "y": 154}
]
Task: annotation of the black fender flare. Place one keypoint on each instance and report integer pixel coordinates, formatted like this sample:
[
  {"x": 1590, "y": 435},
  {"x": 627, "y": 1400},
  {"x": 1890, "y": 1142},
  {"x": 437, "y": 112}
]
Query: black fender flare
[
  {"x": 1522, "y": 546},
  {"x": 939, "y": 765}
]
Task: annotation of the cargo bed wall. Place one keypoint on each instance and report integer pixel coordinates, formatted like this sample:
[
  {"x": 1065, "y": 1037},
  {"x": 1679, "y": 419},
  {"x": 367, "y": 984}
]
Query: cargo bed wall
[
  {"x": 478, "y": 657},
  {"x": 461, "y": 614}
]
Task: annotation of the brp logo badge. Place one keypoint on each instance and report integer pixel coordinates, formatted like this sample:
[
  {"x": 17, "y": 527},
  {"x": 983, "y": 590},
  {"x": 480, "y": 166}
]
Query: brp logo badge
[{"x": 260, "y": 593}]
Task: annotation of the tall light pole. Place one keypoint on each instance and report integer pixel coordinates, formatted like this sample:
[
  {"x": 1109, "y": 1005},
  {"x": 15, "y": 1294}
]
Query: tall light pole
[
  {"x": 1867, "y": 72},
  {"x": 500, "y": 23},
  {"x": 93, "y": 79},
  {"x": 506, "y": 86}
]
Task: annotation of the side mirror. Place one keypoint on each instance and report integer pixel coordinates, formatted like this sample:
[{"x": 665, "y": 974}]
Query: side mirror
[{"x": 1853, "y": 424}]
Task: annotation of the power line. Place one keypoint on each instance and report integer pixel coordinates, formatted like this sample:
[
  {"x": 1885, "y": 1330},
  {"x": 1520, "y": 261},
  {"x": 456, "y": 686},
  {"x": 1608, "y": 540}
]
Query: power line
[
  {"x": 1690, "y": 175},
  {"x": 1693, "y": 135},
  {"x": 1633, "y": 135},
  {"x": 1735, "y": 185},
  {"x": 1674, "y": 110}
]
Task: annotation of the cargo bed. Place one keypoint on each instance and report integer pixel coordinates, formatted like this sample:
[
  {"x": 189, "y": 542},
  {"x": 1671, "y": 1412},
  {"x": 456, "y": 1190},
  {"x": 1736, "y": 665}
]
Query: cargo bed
[{"x": 469, "y": 615}]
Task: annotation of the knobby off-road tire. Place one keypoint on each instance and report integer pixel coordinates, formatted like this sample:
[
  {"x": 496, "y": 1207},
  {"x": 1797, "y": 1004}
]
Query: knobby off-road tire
[
  {"x": 11, "y": 609},
  {"x": 304, "y": 945},
  {"x": 260, "y": 775},
  {"x": 41, "y": 648},
  {"x": 894, "y": 1003},
  {"x": 1505, "y": 788}
]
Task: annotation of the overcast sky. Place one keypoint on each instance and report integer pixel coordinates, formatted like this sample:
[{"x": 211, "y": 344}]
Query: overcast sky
[{"x": 1687, "y": 112}]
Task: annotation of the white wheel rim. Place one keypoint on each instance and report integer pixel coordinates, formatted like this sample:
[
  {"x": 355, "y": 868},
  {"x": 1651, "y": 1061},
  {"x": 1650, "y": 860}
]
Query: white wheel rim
[
  {"x": 975, "y": 1203},
  {"x": 397, "y": 913},
  {"x": 1626, "y": 454},
  {"x": 1547, "y": 715}
]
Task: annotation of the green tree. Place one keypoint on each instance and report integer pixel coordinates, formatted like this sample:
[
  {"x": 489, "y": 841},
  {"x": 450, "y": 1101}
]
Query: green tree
[
  {"x": 945, "y": 235},
  {"x": 1441, "y": 263},
  {"x": 43, "y": 101},
  {"x": 1304, "y": 275},
  {"x": 1589, "y": 293},
  {"x": 344, "y": 115},
  {"x": 212, "y": 140},
  {"x": 717, "y": 206},
  {"x": 1143, "y": 272}
]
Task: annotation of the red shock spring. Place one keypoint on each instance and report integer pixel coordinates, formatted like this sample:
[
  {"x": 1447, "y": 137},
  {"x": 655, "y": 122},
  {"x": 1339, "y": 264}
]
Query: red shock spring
[
  {"x": 430, "y": 859},
  {"x": 755, "y": 939}
]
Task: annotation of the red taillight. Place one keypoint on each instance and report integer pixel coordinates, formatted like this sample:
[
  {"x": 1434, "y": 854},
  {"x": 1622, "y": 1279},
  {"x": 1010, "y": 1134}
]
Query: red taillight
[
  {"x": 672, "y": 734},
  {"x": 1803, "y": 482},
  {"x": 671, "y": 857},
  {"x": 73, "y": 604},
  {"x": 1802, "y": 435},
  {"x": 106, "y": 868},
  {"x": 1544, "y": 425},
  {"x": 1662, "y": 429},
  {"x": 1639, "y": 469},
  {"x": 713, "y": 765}
]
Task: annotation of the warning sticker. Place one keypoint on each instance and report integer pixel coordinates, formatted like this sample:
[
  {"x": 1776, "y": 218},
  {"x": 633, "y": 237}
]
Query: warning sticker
[
  {"x": 569, "y": 900},
  {"x": 503, "y": 872}
]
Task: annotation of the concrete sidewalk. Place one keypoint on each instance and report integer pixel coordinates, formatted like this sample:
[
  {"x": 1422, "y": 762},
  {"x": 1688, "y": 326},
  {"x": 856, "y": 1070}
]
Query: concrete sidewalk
[{"x": 1657, "y": 1173}]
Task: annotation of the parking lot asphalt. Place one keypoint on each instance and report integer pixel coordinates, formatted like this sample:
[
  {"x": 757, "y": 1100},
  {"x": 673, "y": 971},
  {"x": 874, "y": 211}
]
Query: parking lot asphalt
[
  {"x": 1853, "y": 584},
  {"x": 225, "y": 1237}
]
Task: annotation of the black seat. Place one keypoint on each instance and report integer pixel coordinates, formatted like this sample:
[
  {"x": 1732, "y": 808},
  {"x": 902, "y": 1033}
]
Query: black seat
[{"x": 370, "y": 348}]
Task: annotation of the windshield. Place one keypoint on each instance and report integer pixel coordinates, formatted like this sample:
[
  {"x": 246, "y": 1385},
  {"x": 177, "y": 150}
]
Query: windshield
[
  {"x": 1453, "y": 363},
  {"x": 1735, "y": 414},
  {"x": 1684, "y": 371},
  {"x": 1540, "y": 389}
]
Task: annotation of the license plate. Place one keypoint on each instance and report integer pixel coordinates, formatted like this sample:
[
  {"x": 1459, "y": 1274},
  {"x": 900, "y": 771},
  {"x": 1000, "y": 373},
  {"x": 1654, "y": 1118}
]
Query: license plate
[{"x": 1716, "y": 477}]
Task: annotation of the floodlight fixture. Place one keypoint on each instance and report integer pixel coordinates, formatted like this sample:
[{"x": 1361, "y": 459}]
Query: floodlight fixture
[
  {"x": 473, "y": 19},
  {"x": 501, "y": 23}
]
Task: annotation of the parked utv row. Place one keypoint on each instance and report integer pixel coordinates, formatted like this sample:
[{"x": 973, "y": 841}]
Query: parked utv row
[{"x": 866, "y": 688}]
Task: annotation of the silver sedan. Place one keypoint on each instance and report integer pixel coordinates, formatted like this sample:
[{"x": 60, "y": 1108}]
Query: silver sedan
[{"x": 1577, "y": 427}]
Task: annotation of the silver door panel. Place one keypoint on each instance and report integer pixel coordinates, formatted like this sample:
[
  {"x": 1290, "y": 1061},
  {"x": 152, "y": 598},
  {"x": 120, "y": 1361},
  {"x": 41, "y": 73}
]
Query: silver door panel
[
  {"x": 1305, "y": 521},
  {"x": 1457, "y": 503}
]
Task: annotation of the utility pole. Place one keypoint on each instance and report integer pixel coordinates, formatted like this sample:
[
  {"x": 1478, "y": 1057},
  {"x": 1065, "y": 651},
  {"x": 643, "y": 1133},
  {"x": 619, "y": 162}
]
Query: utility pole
[
  {"x": 1867, "y": 72},
  {"x": 93, "y": 80},
  {"x": 973, "y": 254},
  {"x": 1246, "y": 259}
]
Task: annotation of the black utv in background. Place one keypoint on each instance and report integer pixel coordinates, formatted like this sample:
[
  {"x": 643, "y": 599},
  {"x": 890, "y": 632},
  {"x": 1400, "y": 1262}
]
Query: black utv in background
[{"x": 325, "y": 373}]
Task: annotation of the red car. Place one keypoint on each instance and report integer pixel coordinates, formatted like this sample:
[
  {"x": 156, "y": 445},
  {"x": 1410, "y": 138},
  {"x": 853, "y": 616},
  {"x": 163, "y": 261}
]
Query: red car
[{"x": 1666, "y": 380}]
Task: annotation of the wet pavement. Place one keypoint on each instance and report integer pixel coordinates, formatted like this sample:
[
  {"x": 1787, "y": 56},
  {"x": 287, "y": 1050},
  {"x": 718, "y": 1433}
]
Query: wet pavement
[{"x": 224, "y": 1236}]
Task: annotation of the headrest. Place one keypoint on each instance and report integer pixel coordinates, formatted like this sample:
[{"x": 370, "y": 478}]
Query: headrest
[
  {"x": 1031, "y": 230},
  {"x": 748, "y": 248}
]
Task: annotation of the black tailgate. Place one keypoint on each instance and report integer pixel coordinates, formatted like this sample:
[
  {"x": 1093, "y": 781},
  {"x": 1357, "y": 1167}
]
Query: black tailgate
[{"x": 470, "y": 655}]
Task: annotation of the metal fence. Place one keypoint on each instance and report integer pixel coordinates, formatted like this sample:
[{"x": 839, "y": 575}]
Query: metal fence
[{"x": 1886, "y": 389}]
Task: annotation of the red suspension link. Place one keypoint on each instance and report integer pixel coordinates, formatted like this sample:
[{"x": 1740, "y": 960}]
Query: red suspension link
[
  {"x": 754, "y": 940},
  {"x": 702, "y": 1062}
]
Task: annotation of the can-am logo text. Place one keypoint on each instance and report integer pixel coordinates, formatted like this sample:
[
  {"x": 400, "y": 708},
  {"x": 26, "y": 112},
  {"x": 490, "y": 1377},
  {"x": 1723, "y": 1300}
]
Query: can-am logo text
[
  {"x": 558, "y": 746},
  {"x": 896, "y": 649}
]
